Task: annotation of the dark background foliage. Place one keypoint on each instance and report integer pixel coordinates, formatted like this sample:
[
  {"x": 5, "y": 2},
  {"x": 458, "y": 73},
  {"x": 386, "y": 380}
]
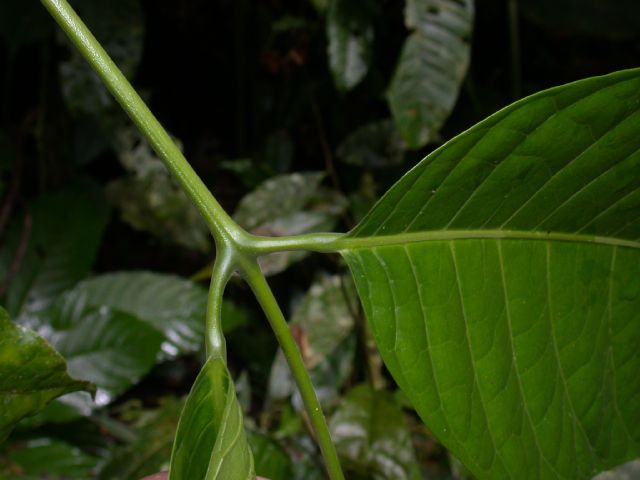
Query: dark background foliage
[{"x": 247, "y": 89}]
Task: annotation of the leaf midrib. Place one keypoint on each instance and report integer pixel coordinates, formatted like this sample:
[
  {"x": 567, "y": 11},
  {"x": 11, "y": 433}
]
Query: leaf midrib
[{"x": 355, "y": 243}]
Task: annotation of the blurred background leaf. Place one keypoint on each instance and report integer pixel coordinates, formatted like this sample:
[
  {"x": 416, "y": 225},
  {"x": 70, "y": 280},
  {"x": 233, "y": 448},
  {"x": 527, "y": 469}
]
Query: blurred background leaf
[
  {"x": 32, "y": 374},
  {"x": 372, "y": 437},
  {"x": 59, "y": 250},
  {"x": 150, "y": 200},
  {"x": 350, "y": 34},
  {"x": 433, "y": 63}
]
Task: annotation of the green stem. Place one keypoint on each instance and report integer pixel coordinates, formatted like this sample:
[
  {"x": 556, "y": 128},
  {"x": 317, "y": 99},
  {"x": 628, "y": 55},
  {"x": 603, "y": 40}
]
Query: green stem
[
  {"x": 235, "y": 247},
  {"x": 219, "y": 222},
  {"x": 267, "y": 301},
  {"x": 222, "y": 271}
]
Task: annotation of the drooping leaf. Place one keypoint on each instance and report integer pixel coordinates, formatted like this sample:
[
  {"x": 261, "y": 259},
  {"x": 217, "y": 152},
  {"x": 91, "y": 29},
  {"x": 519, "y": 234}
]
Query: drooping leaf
[
  {"x": 323, "y": 324},
  {"x": 211, "y": 443},
  {"x": 66, "y": 231},
  {"x": 271, "y": 460},
  {"x": 48, "y": 458},
  {"x": 432, "y": 65},
  {"x": 289, "y": 205},
  {"x": 151, "y": 450},
  {"x": 501, "y": 279},
  {"x": 32, "y": 374},
  {"x": 171, "y": 305},
  {"x": 350, "y": 36},
  {"x": 373, "y": 145},
  {"x": 110, "y": 348},
  {"x": 372, "y": 438}
]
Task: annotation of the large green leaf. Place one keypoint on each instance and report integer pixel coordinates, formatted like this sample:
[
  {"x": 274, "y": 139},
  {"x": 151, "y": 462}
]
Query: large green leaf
[
  {"x": 32, "y": 374},
  {"x": 107, "y": 347},
  {"x": 502, "y": 280},
  {"x": 432, "y": 65},
  {"x": 167, "y": 303},
  {"x": 372, "y": 437},
  {"x": 211, "y": 442}
]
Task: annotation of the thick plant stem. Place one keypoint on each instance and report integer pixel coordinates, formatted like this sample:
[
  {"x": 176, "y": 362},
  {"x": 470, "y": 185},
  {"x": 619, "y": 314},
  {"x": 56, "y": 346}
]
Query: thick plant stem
[
  {"x": 218, "y": 220},
  {"x": 270, "y": 306}
]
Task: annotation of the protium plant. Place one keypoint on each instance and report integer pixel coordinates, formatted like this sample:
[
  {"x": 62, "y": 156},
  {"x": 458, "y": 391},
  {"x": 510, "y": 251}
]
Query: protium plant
[{"x": 500, "y": 276}]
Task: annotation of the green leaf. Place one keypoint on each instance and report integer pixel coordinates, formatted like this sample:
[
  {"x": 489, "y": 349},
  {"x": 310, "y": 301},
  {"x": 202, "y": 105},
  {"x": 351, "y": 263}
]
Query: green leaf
[
  {"x": 432, "y": 65},
  {"x": 271, "y": 460},
  {"x": 49, "y": 458},
  {"x": 32, "y": 374},
  {"x": 66, "y": 231},
  {"x": 350, "y": 35},
  {"x": 501, "y": 279},
  {"x": 107, "y": 347},
  {"x": 211, "y": 442},
  {"x": 150, "y": 451},
  {"x": 370, "y": 433},
  {"x": 169, "y": 304}
]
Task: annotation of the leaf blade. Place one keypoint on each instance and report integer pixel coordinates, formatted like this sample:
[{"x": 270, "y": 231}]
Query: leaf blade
[
  {"x": 32, "y": 374},
  {"x": 507, "y": 319},
  {"x": 210, "y": 442}
]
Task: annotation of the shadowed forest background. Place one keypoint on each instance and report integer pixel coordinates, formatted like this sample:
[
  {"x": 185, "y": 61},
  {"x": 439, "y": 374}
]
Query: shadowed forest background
[{"x": 298, "y": 115}]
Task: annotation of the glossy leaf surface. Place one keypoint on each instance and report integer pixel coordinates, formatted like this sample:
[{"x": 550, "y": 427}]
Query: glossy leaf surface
[
  {"x": 432, "y": 65},
  {"x": 32, "y": 374},
  {"x": 211, "y": 442},
  {"x": 169, "y": 304},
  {"x": 372, "y": 437},
  {"x": 110, "y": 348},
  {"x": 501, "y": 277}
]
